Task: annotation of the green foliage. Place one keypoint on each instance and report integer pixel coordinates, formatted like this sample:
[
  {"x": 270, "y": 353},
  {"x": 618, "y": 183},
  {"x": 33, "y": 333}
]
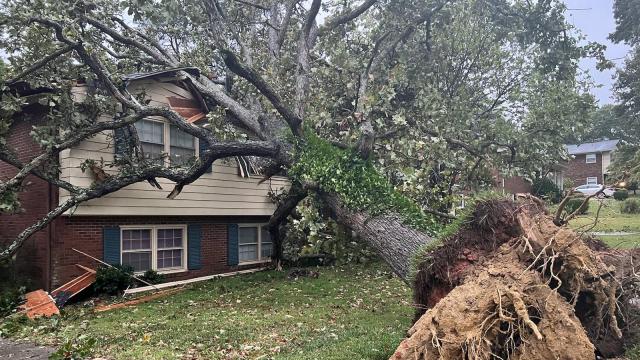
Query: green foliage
[
  {"x": 630, "y": 206},
  {"x": 153, "y": 277},
  {"x": 113, "y": 280},
  {"x": 632, "y": 186},
  {"x": 573, "y": 205},
  {"x": 359, "y": 184},
  {"x": 620, "y": 195},
  {"x": 545, "y": 188},
  {"x": 10, "y": 298},
  {"x": 75, "y": 349}
]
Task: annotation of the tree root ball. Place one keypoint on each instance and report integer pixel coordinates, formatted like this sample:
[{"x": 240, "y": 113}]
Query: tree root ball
[{"x": 520, "y": 288}]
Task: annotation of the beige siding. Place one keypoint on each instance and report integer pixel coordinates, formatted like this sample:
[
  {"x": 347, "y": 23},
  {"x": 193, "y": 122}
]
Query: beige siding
[
  {"x": 606, "y": 161},
  {"x": 221, "y": 192}
]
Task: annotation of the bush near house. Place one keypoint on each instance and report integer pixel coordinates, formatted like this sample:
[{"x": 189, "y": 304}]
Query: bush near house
[
  {"x": 621, "y": 195},
  {"x": 545, "y": 188},
  {"x": 633, "y": 186},
  {"x": 630, "y": 206},
  {"x": 113, "y": 280},
  {"x": 574, "y": 204}
]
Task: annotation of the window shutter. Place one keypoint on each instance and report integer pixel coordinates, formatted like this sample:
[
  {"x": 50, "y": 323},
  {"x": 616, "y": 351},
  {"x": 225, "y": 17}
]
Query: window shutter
[
  {"x": 202, "y": 147},
  {"x": 121, "y": 137},
  {"x": 232, "y": 244},
  {"x": 111, "y": 244},
  {"x": 194, "y": 240}
]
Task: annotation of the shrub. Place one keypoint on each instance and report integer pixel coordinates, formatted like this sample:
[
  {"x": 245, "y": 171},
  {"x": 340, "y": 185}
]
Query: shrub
[
  {"x": 633, "y": 186},
  {"x": 113, "y": 280},
  {"x": 10, "y": 298},
  {"x": 573, "y": 205},
  {"x": 620, "y": 195},
  {"x": 545, "y": 188},
  {"x": 630, "y": 206},
  {"x": 71, "y": 349},
  {"x": 152, "y": 277}
]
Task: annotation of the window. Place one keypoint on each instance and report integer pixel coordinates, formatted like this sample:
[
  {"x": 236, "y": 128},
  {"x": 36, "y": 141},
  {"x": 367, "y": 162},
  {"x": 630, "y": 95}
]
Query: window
[
  {"x": 254, "y": 243},
  {"x": 182, "y": 147},
  {"x": 161, "y": 248},
  {"x": 592, "y": 180},
  {"x": 591, "y": 158},
  {"x": 158, "y": 138},
  {"x": 151, "y": 134}
]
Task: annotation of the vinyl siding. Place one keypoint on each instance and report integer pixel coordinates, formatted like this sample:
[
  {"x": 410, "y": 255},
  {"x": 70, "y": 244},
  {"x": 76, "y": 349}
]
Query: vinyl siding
[{"x": 221, "y": 192}]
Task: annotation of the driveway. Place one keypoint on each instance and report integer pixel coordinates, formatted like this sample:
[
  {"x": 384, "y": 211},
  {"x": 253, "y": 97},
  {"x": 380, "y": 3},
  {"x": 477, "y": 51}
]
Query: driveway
[{"x": 23, "y": 351}]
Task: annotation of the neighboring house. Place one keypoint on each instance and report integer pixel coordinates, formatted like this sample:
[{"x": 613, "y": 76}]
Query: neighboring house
[
  {"x": 216, "y": 225},
  {"x": 588, "y": 164}
]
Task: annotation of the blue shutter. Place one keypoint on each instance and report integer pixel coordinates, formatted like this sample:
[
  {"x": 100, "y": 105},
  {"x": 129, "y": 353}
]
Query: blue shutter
[
  {"x": 194, "y": 239},
  {"x": 202, "y": 147},
  {"x": 111, "y": 244},
  {"x": 232, "y": 244}
]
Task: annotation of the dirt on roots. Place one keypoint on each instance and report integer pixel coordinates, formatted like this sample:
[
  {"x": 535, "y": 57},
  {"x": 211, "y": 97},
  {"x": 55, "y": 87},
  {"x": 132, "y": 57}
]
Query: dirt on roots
[{"x": 510, "y": 284}]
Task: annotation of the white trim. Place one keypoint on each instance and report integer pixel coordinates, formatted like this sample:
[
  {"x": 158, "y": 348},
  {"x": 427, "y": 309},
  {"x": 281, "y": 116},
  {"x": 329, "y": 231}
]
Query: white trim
[
  {"x": 595, "y": 180},
  {"x": 154, "y": 245},
  {"x": 260, "y": 258},
  {"x": 595, "y": 158}
]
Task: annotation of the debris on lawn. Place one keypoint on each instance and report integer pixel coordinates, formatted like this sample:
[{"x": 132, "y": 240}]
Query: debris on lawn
[
  {"x": 139, "y": 300},
  {"x": 75, "y": 286},
  {"x": 511, "y": 284},
  {"x": 39, "y": 303},
  {"x": 294, "y": 274}
]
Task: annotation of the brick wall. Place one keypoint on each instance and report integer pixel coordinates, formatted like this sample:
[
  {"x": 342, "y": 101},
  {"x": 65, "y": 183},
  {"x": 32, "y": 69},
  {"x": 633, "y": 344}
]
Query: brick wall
[
  {"x": 85, "y": 234},
  {"x": 32, "y": 260},
  {"x": 578, "y": 170}
]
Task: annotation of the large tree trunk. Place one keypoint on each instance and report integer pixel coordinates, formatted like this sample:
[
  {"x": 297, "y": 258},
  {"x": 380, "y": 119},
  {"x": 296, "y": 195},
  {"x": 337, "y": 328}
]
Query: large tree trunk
[{"x": 393, "y": 241}]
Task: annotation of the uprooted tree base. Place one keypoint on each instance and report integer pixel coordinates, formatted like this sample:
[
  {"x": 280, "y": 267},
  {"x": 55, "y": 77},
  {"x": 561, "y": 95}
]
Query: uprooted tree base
[{"x": 510, "y": 284}]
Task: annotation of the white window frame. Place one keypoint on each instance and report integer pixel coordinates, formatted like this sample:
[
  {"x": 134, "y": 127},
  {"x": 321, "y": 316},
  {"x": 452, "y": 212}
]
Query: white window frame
[
  {"x": 166, "y": 139},
  {"x": 592, "y": 156},
  {"x": 595, "y": 178},
  {"x": 260, "y": 258},
  {"x": 154, "y": 246}
]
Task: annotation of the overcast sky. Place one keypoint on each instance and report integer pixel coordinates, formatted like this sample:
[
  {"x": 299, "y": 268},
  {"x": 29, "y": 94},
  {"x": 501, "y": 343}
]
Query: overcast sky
[{"x": 595, "y": 19}]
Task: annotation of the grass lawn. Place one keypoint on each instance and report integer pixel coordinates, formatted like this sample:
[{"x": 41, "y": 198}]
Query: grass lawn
[
  {"x": 610, "y": 220},
  {"x": 350, "y": 312}
]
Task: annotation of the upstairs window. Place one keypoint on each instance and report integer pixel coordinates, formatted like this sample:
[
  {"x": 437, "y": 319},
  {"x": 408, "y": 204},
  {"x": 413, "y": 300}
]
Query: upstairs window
[
  {"x": 591, "y": 158},
  {"x": 159, "y": 139}
]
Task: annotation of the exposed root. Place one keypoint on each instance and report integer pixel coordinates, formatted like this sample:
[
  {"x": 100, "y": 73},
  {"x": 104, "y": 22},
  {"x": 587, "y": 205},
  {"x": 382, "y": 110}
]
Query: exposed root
[{"x": 532, "y": 291}]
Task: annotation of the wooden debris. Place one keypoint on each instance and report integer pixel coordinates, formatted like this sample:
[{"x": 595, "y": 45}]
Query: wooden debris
[
  {"x": 139, "y": 300},
  {"x": 75, "y": 286},
  {"x": 39, "y": 303}
]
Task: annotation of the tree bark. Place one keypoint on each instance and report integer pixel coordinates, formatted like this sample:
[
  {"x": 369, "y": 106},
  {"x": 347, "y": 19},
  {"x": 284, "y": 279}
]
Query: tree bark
[{"x": 393, "y": 241}]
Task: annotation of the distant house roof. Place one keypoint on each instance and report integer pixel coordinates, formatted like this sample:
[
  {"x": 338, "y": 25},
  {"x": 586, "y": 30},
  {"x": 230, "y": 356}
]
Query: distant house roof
[{"x": 595, "y": 147}]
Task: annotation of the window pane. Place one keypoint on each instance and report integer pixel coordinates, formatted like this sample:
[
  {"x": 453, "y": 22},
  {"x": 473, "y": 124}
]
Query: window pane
[
  {"x": 248, "y": 252},
  {"x": 169, "y": 259},
  {"x": 153, "y": 152},
  {"x": 248, "y": 235},
  {"x": 181, "y": 156},
  {"x": 150, "y": 131},
  {"x": 169, "y": 238},
  {"x": 180, "y": 138},
  {"x": 266, "y": 250},
  {"x": 136, "y": 239},
  {"x": 140, "y": 261}
]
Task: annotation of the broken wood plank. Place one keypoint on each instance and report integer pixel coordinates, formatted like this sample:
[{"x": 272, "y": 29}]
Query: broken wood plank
[
  {"x": 137, "y": 301},
  {"x": 189, "y": 281},
  {"x": 39, "y": 303}
]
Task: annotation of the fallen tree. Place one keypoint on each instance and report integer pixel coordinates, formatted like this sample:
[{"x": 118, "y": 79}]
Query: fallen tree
[{"x": 508, "y": 283}]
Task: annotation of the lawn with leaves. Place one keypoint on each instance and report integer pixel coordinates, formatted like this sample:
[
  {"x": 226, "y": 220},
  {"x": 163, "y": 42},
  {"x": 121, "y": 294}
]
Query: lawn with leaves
[
  {"x": 610, "y": 220},
  {"x": 350, "y": 312}
]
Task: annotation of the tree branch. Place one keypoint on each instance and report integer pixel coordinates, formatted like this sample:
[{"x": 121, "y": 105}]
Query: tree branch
[
  {"x": 332, "y": 23},
  {"x": 41, "y": 63}
]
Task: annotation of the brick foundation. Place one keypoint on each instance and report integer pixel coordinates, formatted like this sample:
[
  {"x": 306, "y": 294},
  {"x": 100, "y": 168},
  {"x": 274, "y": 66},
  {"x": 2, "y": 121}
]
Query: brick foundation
[{"x": 85, "y": 234}]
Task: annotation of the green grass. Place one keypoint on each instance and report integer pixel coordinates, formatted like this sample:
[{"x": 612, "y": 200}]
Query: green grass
[
  {"x": 352, "y": 312},
  {"x": 610, "y": 220}
]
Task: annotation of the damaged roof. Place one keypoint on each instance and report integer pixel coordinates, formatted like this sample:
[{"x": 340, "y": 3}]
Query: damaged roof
[{"x": 166, "y": 72}]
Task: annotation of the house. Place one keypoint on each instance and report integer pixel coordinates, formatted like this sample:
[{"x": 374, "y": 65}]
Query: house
[
  {"x": 588, "y": 163},
  {"x": 216, "y": 225}
]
